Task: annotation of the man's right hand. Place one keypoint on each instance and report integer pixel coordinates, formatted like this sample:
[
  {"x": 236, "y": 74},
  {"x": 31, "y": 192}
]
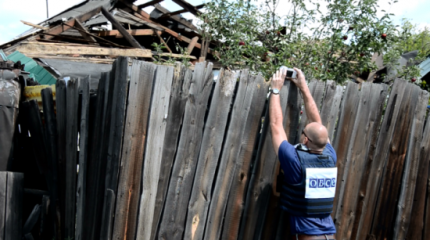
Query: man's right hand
[{"x": 300, "y": 81}]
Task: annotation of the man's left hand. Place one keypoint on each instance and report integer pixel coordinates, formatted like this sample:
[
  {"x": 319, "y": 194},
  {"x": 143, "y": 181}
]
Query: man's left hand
[{"x": 278, "y": 79}]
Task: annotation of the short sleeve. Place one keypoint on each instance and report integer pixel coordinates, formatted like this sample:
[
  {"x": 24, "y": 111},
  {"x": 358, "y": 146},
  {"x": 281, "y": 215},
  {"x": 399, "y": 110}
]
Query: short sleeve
[
  {"x": 290, "y": 163},
  {"x": 330, "y": 148}
]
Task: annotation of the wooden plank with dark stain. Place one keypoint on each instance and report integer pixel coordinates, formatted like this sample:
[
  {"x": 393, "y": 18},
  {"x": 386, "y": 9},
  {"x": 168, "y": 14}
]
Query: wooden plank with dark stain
[
  {"x": 3, "y": 194},
  {"x": 260, "y": 188},
  {"x": 372, "y": 98},
  {"x": 71, "y": 157},
  {"x": 61, "y": 106},
  {"x": 95, "y": 168},
  {"x": 108, "y": 212},
  {"x": 410, "y": 172},
  {"x": 420, "y": 216},
  {"x": 173, "y": 220},
  {"x": 383, "y": 221},
  {"x": 83, "y": 157},
  {"x": 343, "y": 136},
  {"x": 377, "y": 162},
  {"x": 135, "y": 136},
  {"x": 14, "y": 198},
  {"x": 209, "y": 154},
  {"x": 152, "y": 160},
  {"x": 51, "y": 150},
  {"x": 236, "y": 195},
  {"x": 178, "y": 98}
]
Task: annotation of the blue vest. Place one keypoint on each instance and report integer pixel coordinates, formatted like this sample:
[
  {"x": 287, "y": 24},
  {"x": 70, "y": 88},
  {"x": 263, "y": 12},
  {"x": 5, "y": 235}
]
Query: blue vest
[{"x": 293, "y": 195}]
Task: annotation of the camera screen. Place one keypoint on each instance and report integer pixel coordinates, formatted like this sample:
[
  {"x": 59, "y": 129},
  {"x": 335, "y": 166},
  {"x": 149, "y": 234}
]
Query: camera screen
[{"x": 289, "y": 73}]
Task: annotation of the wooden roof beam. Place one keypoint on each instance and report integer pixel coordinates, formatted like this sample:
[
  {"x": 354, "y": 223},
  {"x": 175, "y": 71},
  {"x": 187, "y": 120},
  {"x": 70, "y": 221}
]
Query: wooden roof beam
[
  {"x": 134, "y": 32},
  {"x": 166, "y": 15},
  {"x": 64, "y": 27},
  {"x": 150, "y": 3},
  {"x": 121, "y": 29},
  {"x": 84, "y": 32},
  {"x": 188, "y": 6}
]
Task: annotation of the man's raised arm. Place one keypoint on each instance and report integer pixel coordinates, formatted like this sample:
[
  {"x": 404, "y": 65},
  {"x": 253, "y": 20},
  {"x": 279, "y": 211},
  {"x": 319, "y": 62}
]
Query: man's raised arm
[
  {"x": 275, "y": 111},
  {"x": 310, "y": 105}
]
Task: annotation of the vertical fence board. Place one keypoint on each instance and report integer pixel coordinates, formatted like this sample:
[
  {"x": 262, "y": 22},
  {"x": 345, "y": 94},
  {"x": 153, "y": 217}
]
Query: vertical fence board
[
  {"x": 51, "y": 150},
  {"x": 173, "y": 220},
  {"x": 71, "y": 156},
  {"x": 96, "y": 166},
  {"x": 372, "y": 98},
  {"x": 119, "y": 96},
  {"x": 331, "y": 106},
  {"x": 135, "y": 135},
  {"x": 153, "y": 154},
  {"x": 108, "y": 212},
  {"x": 409, "y": 178},
  {"x": 83, "y": 156},
  {"x": 426, "y": 160},
  {"x": 343, "y": 136},
  {"x": 14, "y": 198},
  {"x": 60, "y": 102},
  {"x": 261, "y": 189},
  {"x": 178, "y": 98},
  {"x": 209, "y": 154},
  {"x": 367, "y": 205},
  {"x": 229, "y": 155},
  {"x": 236, "y": 195},
  {"x": 418, "y": 221},
  {"x": 3, "y": 194},
  {"x": 383, "y": 221}
]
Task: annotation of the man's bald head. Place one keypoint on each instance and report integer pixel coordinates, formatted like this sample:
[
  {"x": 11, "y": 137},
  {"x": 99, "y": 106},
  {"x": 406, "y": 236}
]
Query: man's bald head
[{"x": 317, "y": 134}]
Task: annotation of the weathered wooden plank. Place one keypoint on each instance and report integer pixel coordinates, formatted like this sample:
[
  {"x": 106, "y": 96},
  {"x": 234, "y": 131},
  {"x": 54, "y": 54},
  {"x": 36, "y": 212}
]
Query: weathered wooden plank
[
  {"x": 84, "y": 32},
  {"x": 14, "y": 198},
  {"x": 390, "y": 183},
  {"x": 153, "y": 155},
  {"x": 273, "y": 219},
  {"x": 331, "y": 106},
  {"x": 260, "y": 188},
  {"x": 173, "y": 220},
  {"x": 236, "y": 203},
  {"x": 119, "y": 97},
  {"x": 135, "y": 135},
  {"x": 71, "y": 156},
  {"x": 60, "y": 102},
  {"x": 367, "y": 205},
  {"x": 368, "y": 119},
  {"x": 55, "y": 49},
  {"x": 3, "y": 194},
  {"x": 421, "y": 216},
  {"x": 108, "y": 212},
  {"x": 51, "y": 150},
  {"x": 410, "y": 172},
  {"x": 178, "y": 98},
  {"x": 35, "y": 126},
  {"x": 95, "y": 167},
  {"x": 83, "y": 156},
  {"x": 232, "y": 152},
  {"x": 133, "y": 32},
  {"x": 209, "y": 153},
  {"x": 343, "y": 136},
  {"x": 31, "y": 220},
  {"x": 121, "y": 29}
]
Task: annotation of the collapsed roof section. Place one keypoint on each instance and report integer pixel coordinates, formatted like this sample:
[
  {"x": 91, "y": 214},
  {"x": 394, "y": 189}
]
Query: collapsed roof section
[{"x": 99, "y": 31}]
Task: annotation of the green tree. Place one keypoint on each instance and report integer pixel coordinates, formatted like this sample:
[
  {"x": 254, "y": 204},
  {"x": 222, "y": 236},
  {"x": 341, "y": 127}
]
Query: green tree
[{"x": 331, "y": 45}]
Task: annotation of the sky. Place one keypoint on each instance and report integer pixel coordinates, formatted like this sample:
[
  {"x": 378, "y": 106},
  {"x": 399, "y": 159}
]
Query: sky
[{"x": 34, "y": 11}]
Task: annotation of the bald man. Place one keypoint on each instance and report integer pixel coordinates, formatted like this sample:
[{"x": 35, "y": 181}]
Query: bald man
[{"x": 309, "y": 167}]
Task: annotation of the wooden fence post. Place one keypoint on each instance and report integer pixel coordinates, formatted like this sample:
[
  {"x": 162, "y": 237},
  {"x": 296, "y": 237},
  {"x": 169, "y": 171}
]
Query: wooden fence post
[{"x": 11, "y": 194}]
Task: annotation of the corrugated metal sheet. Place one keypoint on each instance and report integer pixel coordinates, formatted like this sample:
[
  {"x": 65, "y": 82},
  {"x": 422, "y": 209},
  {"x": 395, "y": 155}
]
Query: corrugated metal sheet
[
  {"x": 425, "y": 67},
  {"x": 36, "y": 71},
  {"x": 3, "y": 55}
]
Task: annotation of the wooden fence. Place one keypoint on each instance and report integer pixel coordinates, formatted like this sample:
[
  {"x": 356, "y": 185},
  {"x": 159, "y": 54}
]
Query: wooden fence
[{"x": 172, "y": 154}]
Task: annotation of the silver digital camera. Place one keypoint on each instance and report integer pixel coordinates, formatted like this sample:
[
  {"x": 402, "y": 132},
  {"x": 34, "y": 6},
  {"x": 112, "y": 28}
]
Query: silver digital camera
[{"x": 291, "y": 73}]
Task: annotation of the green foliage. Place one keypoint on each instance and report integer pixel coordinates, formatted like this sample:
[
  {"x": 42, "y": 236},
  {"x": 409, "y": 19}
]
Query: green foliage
[{"x": 257, "y": 37}]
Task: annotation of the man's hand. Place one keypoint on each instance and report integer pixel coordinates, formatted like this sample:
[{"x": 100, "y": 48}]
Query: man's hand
[
  {"x": 300, "y": 81},
  {"x": 278, "y": 79}
]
